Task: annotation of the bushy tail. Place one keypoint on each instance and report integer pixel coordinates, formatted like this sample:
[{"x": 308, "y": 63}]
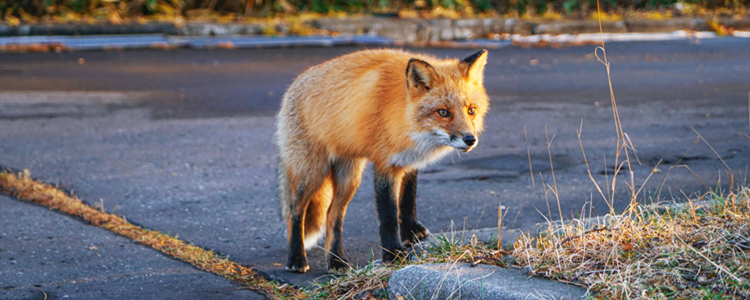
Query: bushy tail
[{"x": 315, "y": 216}]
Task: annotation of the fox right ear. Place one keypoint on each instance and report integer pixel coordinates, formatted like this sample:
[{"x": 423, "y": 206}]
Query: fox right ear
[
  {"x": 420, "y": 74},
  {"x": 473, "y": 65}
]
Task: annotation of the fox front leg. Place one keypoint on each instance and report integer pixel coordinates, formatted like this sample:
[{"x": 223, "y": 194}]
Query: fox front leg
[
  {"x": 386, "y": 191},
  {"x": 412, "y": 231}
]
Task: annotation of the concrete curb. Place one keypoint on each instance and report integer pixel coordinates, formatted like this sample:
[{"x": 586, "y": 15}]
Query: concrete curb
[
  {"x": 462, "y": 281},
  {"x": 398, "y": 29},
  {"x": 89, "y": 29},
  {"x": 157, "y": 41}
]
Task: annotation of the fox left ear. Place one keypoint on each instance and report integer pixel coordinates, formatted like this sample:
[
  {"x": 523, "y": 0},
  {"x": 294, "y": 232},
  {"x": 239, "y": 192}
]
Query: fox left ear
[
  {"x": 473, "y": 65},
  {"x": 420, "y": 74}
]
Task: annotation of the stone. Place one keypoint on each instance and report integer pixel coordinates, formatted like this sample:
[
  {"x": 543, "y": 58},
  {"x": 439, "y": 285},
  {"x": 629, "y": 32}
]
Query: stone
[{"x": 461, "y": 281}]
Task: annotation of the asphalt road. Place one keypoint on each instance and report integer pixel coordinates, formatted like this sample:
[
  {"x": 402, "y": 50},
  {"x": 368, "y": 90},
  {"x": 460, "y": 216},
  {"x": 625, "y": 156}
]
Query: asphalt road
[{"x": 182, "y": 141}]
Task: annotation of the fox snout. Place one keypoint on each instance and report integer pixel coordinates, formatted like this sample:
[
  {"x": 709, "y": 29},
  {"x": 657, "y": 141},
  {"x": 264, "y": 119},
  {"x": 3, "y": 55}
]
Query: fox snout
[
  {"x": 464, "y": 143},
  {"x": 469, "y": 140}
]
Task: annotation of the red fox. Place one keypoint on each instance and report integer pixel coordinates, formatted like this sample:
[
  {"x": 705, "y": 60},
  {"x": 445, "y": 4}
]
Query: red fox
[{"x": 398, "y": 110}]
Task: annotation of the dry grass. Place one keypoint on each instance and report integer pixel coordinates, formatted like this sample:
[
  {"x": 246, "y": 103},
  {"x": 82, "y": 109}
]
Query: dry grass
[
  {"x": 700, "y": 250},
  {"x": 647, "y": 252},
  {"x": 23, "y": 187}
]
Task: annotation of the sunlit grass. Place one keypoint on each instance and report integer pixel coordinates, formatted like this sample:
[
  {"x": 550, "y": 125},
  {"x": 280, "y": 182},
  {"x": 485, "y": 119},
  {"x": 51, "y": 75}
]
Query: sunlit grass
[
  {"x": 698, "y": 250},
  {"x": 685, "y": 253}
]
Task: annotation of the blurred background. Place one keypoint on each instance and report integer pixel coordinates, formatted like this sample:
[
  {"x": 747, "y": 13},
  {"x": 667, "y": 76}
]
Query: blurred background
[{"x": 14, "y": 12}]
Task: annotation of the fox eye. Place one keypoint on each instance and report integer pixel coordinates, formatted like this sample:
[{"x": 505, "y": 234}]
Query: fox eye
[
  {"x": 472, "y": 111},
  {"x": 443, "y": 113}
]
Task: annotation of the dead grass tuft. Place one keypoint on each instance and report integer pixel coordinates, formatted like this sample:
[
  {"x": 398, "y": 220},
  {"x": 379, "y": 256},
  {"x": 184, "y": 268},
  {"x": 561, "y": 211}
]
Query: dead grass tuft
[
  {"x": 23, "y": 187},
  {"x": 651, "y": 252}
]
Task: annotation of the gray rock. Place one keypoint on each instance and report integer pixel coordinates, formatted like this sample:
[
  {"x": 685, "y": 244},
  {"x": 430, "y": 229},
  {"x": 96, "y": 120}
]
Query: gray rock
[
  {"x": 461, "y": 281},
  {"x": 738, "y": 24},
  {"x": 418, "y": 30},
  {"x": 576, "y": 27},
  {"x": 89, "y": 29},
  {"x": 405, "y": 30},
  {"x": 214, "y": 29},
  {"x": 696, "y": 24}
]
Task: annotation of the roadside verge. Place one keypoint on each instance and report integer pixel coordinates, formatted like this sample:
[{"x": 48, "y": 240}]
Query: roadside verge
[
  {"x": 490, "y": 33},
  {"x": 399, "y": 29}
]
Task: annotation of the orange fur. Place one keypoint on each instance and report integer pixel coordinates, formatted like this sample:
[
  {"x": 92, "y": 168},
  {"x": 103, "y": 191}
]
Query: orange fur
[{"x": 381, "y": 106}]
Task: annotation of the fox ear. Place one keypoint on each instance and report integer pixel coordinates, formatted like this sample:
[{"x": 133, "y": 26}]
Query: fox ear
[
  {"x": 473, "y": 65},
  {"x": 420, "y": 74}
]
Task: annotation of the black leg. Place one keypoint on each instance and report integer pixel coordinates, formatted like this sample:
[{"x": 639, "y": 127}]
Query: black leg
[
  {"x": 388, "y": 216},
  {"x": 407, "y": 206},
  {"x": 411, "y": 230},
  {"x": 297, "y": 261}
]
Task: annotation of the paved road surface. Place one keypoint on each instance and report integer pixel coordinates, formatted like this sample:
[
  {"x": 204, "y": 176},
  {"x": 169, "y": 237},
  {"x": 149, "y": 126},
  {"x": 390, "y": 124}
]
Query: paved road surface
[{"x": 182, "y": 142}]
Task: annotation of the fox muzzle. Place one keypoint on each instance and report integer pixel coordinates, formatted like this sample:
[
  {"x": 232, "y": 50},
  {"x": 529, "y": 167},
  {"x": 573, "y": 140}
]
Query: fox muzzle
[
  {"x": 469, "y": 140},
  {"x": 465, "y": 144}
]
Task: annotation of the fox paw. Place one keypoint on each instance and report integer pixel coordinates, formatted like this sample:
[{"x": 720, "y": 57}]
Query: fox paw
[
  {"x": 336, "y": 264},
  {"x": 413, "y": 233},
  {"x": 297, "y": 264}
]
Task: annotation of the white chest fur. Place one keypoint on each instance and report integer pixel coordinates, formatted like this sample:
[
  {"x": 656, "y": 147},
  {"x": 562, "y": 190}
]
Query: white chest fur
[{"x": 428, "y": 148}]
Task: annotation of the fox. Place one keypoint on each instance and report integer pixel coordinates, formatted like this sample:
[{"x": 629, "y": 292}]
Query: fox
[{"x": 400, "y": 111}]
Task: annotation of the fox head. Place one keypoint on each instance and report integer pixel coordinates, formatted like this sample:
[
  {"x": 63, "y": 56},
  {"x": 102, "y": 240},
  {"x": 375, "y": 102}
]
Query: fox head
[{"x": 448, "y": 100}]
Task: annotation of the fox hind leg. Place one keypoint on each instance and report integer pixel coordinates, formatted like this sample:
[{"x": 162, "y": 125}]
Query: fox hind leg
[
  {"x": 306, "y": 183},
  {"x": 347, "y": 175},
  {"x": 412, "y": 231}
]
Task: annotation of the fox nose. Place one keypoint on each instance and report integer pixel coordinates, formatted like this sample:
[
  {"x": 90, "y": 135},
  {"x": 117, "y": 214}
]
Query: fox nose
[{"x": 469, "y": 140}]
